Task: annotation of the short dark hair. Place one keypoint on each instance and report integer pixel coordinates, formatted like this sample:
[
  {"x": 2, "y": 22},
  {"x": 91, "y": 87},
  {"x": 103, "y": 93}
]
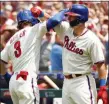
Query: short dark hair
[{"x": 23, "y": 23}]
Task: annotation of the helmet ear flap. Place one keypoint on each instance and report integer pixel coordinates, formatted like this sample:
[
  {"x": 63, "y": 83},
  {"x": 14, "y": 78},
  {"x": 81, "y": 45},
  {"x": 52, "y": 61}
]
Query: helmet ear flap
[{"x": 81, "y": 19}]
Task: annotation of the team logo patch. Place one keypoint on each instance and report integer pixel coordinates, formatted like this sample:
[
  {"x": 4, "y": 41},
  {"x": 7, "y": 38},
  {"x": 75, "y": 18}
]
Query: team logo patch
[{"x": 71, "y": 46}]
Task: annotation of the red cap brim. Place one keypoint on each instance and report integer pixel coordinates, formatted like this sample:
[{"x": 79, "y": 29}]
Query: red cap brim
[{"x": 71, "y": 14}]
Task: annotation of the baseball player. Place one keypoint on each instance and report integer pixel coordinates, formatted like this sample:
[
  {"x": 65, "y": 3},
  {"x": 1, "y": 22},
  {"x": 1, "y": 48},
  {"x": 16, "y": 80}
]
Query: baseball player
[
  {"x": 81, "y": 50},
  {"x": 23, "y": 49}
]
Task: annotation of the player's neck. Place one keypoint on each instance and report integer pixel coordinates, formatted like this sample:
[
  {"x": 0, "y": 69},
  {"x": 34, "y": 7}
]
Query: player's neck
[
  {"x": 78, "y": 30},
  {"x": 26, "y": 26}
]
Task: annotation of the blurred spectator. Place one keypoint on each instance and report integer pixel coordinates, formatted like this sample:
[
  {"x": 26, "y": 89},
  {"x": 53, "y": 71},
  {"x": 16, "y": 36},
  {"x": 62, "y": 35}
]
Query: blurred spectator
[
  {"x": 104, "y": 29},
  {"x": 3, "y": 83},
  {"x": 67, "y": 4},
  {"x": 3, "y": 19},
  {"x": 8, "y": 13},
  {"x": 44, "y": 53},
  {"x": 107, "y": 48},
  {"x": 56, "y": 55},
  {"x": 56, "y": 6},
  {"x": 6, "y": 34}
]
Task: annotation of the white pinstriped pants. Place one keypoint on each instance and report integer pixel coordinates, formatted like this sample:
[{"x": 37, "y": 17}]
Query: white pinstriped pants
[
  {"x": 24, "y": 91},
  {"x": 79, "y": 90}
]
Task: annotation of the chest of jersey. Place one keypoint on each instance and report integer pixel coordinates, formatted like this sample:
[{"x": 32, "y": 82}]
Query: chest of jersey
[
  {"x": 76, "y": 51},
  {"x": 76, "y": 45}
]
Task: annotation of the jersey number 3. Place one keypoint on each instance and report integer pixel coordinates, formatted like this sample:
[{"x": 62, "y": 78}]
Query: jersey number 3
[{"x": 17, "y": 48}]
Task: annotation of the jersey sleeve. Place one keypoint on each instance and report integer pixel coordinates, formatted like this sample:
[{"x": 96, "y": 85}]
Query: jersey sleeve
[
  {"x": 97, "y": 54},
  {"x": 61, "y": 28},
  {"x": 40, "y": 29},
  {"x": 4, "y": 54}
]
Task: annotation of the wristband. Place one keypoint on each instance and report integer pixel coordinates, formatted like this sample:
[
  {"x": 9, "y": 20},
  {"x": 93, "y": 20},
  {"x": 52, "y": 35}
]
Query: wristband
[
  {"x": 102, "y": 82},
  {"x": 7, "y": 75},
  {"x": 42, "y": 14}
]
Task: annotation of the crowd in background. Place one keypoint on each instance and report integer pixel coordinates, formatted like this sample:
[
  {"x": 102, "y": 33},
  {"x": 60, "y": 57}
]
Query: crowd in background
[{"x": 51, "y": 49}]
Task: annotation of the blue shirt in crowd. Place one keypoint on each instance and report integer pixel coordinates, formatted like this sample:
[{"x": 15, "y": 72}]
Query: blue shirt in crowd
[{"x": 56, "y": 57}]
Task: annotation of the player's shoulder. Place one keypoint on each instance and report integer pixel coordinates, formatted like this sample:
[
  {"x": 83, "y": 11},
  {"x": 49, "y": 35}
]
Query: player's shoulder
[
  {"x": 92, "y": 36},
  {"x": 17, "y": 35},
  {"x": 10, "y": 41},
  {"x": 65, "y": 25},
  {"x": 40, "y": 24},
  {"x": 39, "y": 27}
]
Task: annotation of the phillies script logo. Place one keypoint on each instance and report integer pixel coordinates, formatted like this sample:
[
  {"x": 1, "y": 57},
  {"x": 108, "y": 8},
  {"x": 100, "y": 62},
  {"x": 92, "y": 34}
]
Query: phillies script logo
[{"x": 72, "y": 46}]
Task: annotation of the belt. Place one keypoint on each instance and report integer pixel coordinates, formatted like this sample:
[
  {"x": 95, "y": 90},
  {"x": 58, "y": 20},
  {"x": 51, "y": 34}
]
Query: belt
[
  {"x": 70, "y": 76},
  {"x": 22, "y": 74}
]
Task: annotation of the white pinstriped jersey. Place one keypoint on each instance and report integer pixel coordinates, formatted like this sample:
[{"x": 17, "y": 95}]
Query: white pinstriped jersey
[
  {"x": 79, "y": 53},
  {"x": 24, "y": 49}
]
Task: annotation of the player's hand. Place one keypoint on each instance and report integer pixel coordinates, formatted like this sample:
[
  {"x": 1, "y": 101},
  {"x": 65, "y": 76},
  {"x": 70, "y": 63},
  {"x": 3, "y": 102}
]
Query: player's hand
[
  {"x": 37, "y": 11},
  {"x": 102, "y": 94}
]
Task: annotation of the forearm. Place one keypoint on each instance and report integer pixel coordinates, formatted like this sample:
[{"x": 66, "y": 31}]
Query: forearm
[
  {"x": 102, "y": 71},
  {"x": 51, "y": 22},
  {"x": 56, "y": 19},
  {"x": 102, "y": 93}
]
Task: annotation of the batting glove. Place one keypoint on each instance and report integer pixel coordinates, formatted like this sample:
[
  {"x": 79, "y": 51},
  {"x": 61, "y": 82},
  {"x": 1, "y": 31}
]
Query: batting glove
[
  {"x": 37, "y": 12},
  {"x": 102, "y": 93}
]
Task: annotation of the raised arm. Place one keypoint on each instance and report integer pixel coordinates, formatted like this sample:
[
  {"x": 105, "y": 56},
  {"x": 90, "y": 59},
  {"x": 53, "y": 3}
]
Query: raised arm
[
  {"x": 52, "y": 21},
  {"x": 56, "y": 19},
  {"x": 38, "y": 13}
]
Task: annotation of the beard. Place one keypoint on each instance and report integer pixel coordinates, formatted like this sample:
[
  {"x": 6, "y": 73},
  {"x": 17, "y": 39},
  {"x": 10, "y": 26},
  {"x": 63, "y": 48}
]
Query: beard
[{"x": 74, "y": 23}]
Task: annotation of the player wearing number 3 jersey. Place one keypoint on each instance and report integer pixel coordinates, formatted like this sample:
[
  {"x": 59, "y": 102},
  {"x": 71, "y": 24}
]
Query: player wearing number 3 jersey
[{"x": 23, "y": 49}]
